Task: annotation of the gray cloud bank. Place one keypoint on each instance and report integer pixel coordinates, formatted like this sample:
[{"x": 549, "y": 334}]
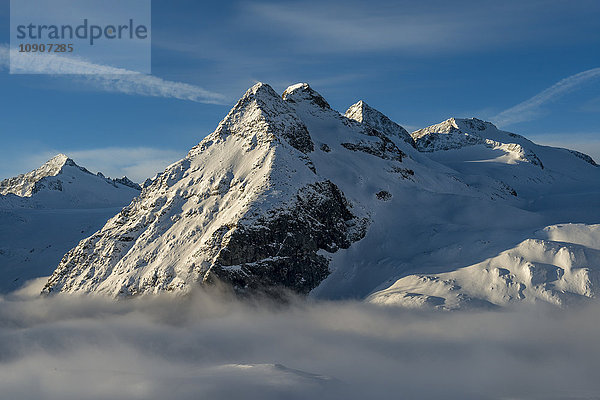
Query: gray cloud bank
[{"x": 212, "y": 346}]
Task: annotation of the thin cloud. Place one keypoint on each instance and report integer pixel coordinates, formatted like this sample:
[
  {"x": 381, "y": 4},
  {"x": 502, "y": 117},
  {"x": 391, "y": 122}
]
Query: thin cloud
[
  {"x": 530, "y": 109},
  {"x": 110, "y": 79},
  {"x": 424, "y": 28}
]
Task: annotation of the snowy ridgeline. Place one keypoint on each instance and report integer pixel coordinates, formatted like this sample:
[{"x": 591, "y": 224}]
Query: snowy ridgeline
[
  {"x": 287, "y": 192},
  {"x": 44, "y": 213}
]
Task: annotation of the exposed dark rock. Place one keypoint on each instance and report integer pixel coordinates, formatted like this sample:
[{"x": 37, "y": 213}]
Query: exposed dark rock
[
  {"x": 382, "y": 147},
  {"x": 280, "y": 249},
  {"x": 383, "y": 195},
  {"x": 125, "y": 181},
  {"x": 584, "y": 157}
]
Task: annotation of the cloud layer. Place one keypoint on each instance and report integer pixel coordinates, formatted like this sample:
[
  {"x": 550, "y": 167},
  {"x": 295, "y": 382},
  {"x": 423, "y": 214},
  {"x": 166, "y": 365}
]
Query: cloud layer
[{"x": 212, "y": 346}]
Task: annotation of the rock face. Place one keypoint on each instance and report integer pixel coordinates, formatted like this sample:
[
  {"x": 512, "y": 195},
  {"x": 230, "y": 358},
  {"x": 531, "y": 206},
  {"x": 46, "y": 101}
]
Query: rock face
[{"x": 280, "y": 249}]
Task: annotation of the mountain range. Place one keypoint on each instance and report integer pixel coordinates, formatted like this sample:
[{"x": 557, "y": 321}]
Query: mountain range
[{"x": 289, "y": 193}]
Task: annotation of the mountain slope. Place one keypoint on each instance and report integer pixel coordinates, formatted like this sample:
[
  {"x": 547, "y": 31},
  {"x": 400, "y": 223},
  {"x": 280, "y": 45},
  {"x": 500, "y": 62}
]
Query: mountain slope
[
  {"x": 559, "y": 185},
  {"x": 561, "y": 265}
]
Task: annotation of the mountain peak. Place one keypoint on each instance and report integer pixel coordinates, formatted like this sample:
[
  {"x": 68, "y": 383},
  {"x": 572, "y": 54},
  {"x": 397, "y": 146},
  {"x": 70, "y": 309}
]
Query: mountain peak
[
  {"x": 25, "y": 184},
  {"x": 457, "y": 133},
  {"x": 470, "y": 126},
  {"x": 301, "y": 92},
  {"x": 56, "y": 175},
  {"x": 365, "y": 114},
  {"x": 358, "y": 110},
  {"x": 262, "y": 90},
  {"x": 262, "y": 116},
  {"x": 268, "y": 200},
  {"x": 59, "y": 161}
]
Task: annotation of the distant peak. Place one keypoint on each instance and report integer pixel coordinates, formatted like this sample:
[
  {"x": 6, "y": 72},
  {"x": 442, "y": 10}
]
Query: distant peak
[
  {"x": 472, "y": 124},
  {"x": 301, "y": 92},
  {"x": 27, "y": 184}
]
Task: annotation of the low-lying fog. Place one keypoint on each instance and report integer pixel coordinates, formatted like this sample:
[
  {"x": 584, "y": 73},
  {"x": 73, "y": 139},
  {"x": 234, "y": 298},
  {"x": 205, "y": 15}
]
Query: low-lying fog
[{"x": 211, "y": 346}]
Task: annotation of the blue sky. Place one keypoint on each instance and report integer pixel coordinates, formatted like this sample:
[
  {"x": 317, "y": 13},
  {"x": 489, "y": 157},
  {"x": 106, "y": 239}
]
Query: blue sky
[{"x": 530, "y": 66}]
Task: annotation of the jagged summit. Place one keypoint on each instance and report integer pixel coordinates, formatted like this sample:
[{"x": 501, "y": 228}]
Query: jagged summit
[
  {"x": 262, "y": 116},
  {"x": 303, "y": 92},
  {"x": 260, "y": 92},
  {"x": 59, "y": 161},
  {"x": 363, "y": 113}
]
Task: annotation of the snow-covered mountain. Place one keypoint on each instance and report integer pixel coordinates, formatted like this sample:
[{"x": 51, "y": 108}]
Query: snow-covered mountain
[
  {"x": 47, "y": 211},
  {"x": 289, "y": 192},
  {"x": 558, "y": 184},
  {"x": 61, "y": 183},
  {"x": 261, "y": 201},
  {"x": 559, "y": 265},
  {"x": 479, "y": 150}
]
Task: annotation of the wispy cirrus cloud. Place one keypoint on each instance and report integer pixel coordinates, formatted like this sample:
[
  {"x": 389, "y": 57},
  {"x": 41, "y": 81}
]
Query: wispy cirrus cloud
[
  {"x": 110, "y": 79},
  {"x": 426, "y": 27},
  {"x": 531, "y": 108}
]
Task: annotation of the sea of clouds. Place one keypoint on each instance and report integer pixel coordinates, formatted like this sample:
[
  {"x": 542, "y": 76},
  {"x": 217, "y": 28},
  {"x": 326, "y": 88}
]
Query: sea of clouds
[{"x": 210, "y": 345}]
